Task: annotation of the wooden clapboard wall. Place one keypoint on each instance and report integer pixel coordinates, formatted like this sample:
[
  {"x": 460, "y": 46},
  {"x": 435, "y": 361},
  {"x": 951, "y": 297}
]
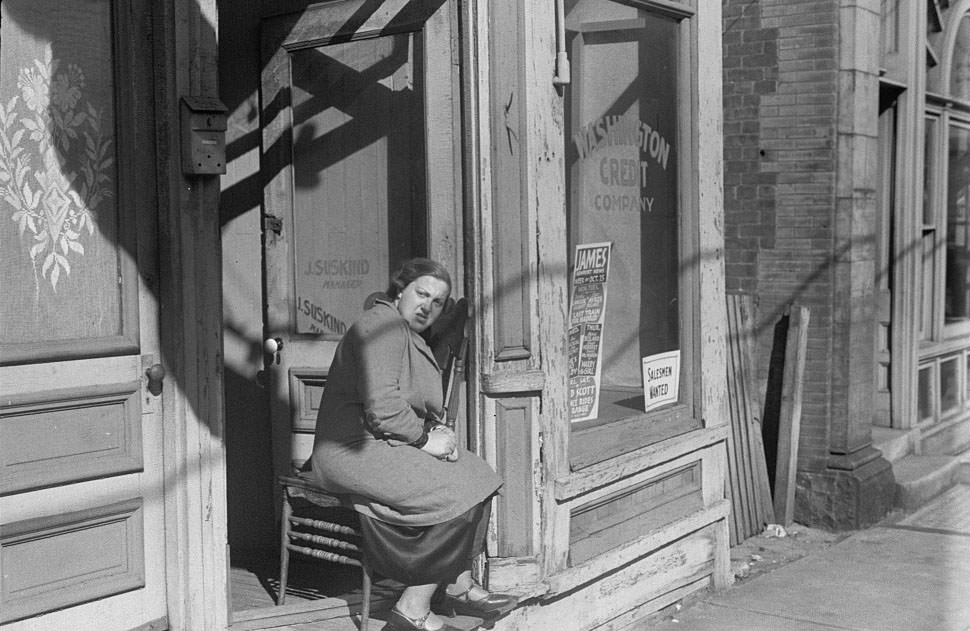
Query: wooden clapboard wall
[{"x": 751, "y": 501}]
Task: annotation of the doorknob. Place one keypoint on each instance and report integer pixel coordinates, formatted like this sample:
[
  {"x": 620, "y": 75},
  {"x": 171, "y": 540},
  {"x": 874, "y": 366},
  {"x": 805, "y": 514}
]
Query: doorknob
[
  {"x": 155, "y": 376},
  {"x": 273, "y": 346}
]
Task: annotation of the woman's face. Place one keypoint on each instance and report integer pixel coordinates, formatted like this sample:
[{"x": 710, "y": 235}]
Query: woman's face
[{"x": 421, "y": 302}]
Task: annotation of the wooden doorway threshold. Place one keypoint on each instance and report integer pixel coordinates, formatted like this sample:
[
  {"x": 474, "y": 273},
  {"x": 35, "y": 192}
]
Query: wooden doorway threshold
[
  {"x": 320, "y": 596},
  {"x": 326, "y": 614}
]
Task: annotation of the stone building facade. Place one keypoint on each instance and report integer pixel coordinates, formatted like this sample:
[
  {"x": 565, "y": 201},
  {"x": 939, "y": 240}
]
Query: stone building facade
[{"x": 839, "y": 119}]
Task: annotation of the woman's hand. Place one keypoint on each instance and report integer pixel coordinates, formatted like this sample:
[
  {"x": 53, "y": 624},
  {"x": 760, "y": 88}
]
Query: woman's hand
[{"x": 442, "y": 443}]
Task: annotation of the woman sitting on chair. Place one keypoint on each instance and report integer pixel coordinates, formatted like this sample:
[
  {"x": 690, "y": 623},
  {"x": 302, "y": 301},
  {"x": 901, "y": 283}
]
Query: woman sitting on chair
[{"x": 423, "y": 501}]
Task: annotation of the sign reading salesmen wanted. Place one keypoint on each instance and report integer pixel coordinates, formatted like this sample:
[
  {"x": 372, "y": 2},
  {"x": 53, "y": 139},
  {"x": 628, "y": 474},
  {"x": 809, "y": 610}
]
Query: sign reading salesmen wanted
[
  {"x": 587, "y": 312},
  {"x": 661, "y": 379}
]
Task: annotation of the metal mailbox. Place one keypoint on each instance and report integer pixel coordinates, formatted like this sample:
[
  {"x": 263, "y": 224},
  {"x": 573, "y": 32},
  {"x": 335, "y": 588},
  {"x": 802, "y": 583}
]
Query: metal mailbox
[{"x": 203, "y": 135}]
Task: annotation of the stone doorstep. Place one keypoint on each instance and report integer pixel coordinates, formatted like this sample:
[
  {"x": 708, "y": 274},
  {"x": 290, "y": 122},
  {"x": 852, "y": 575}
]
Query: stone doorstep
[
  {"x": 919, "y": 479},
  {"x": 895, "y": 444}
]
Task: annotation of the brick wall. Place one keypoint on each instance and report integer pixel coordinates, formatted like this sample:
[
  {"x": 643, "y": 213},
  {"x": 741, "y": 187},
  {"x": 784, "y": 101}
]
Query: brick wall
[{"x": 780, "y": 112}]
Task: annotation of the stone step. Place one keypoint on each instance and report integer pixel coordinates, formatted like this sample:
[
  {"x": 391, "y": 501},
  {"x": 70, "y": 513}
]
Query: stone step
[
  {"x": 921, "y": 478},
  {"x": 895, "y": 444}
]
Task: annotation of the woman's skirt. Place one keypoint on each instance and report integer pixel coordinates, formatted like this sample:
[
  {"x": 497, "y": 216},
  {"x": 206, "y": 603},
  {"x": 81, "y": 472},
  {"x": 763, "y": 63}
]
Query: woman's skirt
[{"x": 422, "y": 555}]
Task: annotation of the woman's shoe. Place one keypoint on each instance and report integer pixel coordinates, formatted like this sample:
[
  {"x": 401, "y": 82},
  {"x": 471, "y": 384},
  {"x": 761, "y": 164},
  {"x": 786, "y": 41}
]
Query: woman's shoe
[
  {"x": 489, "y": 609},
  {"x": 397, "y": 621}
]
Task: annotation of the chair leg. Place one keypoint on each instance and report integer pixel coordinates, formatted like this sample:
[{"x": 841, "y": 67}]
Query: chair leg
[
  {"x": 287, "y": 512},
  {"x": 365, "y": 597}
]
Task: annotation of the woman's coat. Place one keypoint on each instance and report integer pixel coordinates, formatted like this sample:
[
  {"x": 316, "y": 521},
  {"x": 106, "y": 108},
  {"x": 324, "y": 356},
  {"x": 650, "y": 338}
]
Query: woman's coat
[{"x": 382, "y": 384}]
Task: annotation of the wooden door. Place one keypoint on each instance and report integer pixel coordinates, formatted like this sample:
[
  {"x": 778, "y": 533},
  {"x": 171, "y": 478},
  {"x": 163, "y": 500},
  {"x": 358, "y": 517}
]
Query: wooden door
[
  {"x": 362, "y": 166},
  {"x": 81, "y": 499}
]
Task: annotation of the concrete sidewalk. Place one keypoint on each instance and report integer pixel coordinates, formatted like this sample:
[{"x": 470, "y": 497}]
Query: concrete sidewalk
[{"x": 911, "y": 575}]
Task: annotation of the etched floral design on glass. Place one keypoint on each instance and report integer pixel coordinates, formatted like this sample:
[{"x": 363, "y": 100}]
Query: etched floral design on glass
[{"x": 55, "y": 164}]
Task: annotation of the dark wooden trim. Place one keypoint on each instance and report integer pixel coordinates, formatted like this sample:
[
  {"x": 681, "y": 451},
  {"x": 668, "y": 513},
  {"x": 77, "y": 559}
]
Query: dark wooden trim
[{"x": 510, "y": 284}]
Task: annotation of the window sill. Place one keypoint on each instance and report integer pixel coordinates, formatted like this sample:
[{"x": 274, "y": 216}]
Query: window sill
[{"x": 610, "y": 436}]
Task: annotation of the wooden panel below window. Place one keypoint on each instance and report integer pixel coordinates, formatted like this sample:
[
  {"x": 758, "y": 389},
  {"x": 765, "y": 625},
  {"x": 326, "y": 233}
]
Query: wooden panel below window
[
  {"x": 67, "y": 436},
  {"x": 64, "y": 560},
  {"x": 514, "y": 438},
  {"x": 521, "y": 575},
  {"x": 684, "y": 563},
  {"x": 599, "y": 440},
  {"x": 625, "y": 515}
]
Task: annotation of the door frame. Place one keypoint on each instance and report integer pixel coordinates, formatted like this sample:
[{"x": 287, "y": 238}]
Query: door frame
[
  {"x": 342, "y": 22},
  {"x": 347, "y": 21},
  {"x": 184, "y": 40}
]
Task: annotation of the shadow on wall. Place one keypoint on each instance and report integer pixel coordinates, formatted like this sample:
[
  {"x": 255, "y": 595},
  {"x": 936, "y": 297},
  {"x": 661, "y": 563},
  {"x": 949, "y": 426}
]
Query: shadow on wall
[{"x": 249, "y": 471}]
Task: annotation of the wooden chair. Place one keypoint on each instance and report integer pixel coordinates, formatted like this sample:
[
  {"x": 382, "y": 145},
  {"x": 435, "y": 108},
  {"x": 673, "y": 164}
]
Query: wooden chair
[
  {"x": 322, "y": 534},
  {"x": 323, "y": 525}
]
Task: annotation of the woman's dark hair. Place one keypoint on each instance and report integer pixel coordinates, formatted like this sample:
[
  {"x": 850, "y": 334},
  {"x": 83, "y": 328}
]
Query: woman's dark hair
[{"x": 412, "y": 270}]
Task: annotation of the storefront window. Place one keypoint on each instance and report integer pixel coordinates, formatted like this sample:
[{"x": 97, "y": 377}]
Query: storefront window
[
  {"x": 623, "y": 210},
  {"x": 925, "y": 394},
  {"x": 957, "y": 301},
  {"x": 949, "y": 385}
]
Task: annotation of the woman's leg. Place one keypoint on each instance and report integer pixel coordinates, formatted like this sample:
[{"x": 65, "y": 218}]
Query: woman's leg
[
  {"x": 415, "y": 603},
  {"x": 465, "y": 596},
  {"x": 463, "y": 583}
]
